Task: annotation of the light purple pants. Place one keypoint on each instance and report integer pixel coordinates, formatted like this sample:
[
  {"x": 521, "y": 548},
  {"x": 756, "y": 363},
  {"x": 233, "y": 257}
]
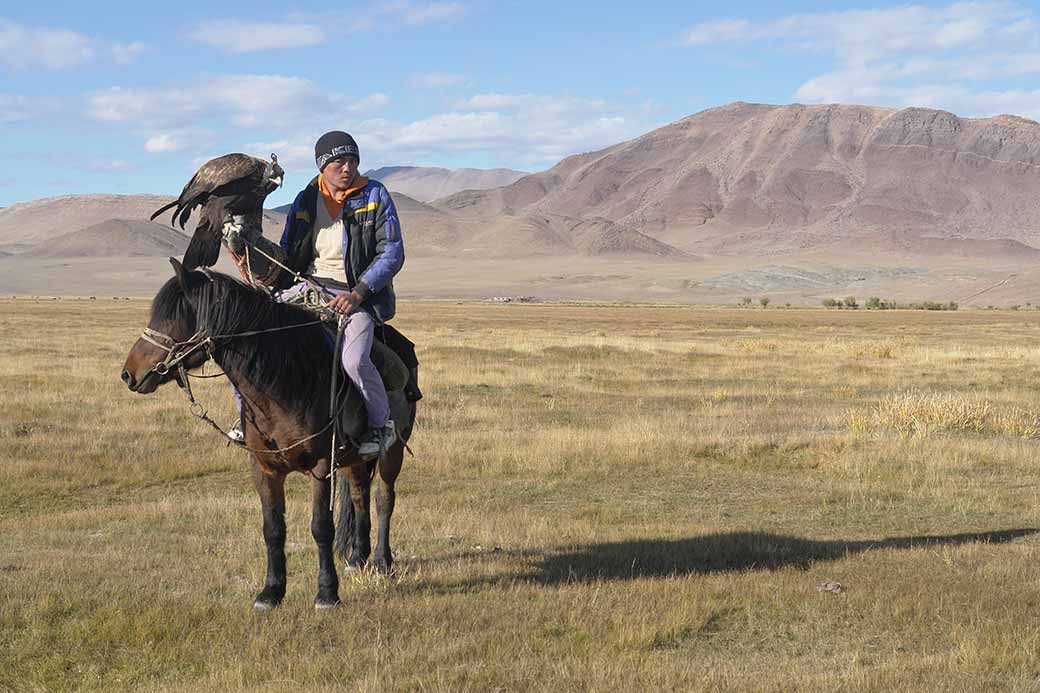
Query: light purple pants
[{"x": 357, "y": 361}]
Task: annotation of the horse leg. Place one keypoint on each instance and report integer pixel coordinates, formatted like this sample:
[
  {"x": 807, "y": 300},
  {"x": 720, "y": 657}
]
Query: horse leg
[
  {"x": 322, "y": 530},
  {"x": 360, "y": 476},
  {"x": 389, "y": 468},
  {"x": 272, "y": 500}
]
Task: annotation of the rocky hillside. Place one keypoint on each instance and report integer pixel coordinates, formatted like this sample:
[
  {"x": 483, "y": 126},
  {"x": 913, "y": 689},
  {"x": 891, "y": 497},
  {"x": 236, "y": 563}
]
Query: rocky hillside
[
  {"x": 427, "y": 183},
  {"x": 760, "y": 178}
]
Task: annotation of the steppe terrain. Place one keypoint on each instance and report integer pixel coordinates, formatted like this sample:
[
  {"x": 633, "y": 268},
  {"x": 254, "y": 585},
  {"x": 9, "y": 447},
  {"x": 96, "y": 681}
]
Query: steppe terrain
[
  {"x": 635, "y": 498},
  {"x": 794, "y": 203}
]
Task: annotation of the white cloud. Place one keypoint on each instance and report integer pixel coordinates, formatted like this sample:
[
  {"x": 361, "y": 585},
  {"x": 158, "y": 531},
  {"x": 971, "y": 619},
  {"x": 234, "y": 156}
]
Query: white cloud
[
  {"x": 858, "y": 35},
  {"x": 179, "y": 140},
  {"x": 295, "y": 155},
  {"x": 15, "y": 108},
  {"x": 531, "y": 102},
  {"x": 126, "y": 53},
  {"x": 518, "y": 130},
  {"x": 435, "y": 80},
  {"x": 28, "y": 47},
  {"x": 719, "y": 31},
  {"x": 24, "y": 47},
  {"x": 145, "y": 106},
  {"x": 300, "y": 29},
  {"x": 368, "y": 104},
  {"x": 241, "y": 36},
  {"x": 419, "y": 14},
  {"x": 247, "y": 101},
  {"x": 164, "y": 142},
  {"x": 913, "y": 55},
  {"x": 109, "y": 166}
]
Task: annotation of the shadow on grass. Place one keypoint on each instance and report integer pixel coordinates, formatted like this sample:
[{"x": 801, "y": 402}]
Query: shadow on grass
[
  {"x": 713, "y": 553},
  {"x": 730, "y": 551}
]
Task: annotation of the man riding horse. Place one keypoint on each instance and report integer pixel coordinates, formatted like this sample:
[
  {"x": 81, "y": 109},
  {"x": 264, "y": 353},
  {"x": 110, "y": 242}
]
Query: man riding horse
[{"x": 344, "y": 235}]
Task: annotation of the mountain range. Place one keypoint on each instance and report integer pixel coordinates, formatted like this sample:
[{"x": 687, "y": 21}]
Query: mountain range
[
  {"x": 796, "y": 201},
  {"x": 425, "y": 183}
]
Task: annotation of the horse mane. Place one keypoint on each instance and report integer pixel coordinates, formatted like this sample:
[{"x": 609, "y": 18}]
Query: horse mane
[
  {"x": 171, "y": 305},
  {"x": 290, "y": 366}
]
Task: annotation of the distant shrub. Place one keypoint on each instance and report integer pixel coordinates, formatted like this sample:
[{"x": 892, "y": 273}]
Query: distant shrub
[
  {"x": 850, "y": 302},
  {"x": 831, "y": 303},
  {"x": 875, "y": 303},
  {"x": 745, "y": 301},
  {"x": 764, "y": 301},
  {"x": 921, "y": 413}
]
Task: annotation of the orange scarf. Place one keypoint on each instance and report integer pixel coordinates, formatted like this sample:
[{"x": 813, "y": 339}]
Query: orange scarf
[{"x": 334, "y": 202}]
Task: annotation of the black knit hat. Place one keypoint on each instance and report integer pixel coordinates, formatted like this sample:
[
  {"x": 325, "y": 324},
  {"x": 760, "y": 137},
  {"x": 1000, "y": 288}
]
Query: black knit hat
[{"x": 333, "y": 145}]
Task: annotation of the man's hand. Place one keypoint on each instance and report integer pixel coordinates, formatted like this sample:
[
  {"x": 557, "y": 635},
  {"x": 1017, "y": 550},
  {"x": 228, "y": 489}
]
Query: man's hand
[{"x": 346, "y": 304}]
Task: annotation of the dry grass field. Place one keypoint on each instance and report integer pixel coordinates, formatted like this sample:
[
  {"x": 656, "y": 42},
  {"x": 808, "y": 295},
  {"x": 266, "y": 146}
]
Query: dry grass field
[{"x": 622, "y": 498}]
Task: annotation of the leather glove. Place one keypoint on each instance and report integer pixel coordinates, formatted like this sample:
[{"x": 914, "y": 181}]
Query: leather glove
[{"x": 232, "y": 233}]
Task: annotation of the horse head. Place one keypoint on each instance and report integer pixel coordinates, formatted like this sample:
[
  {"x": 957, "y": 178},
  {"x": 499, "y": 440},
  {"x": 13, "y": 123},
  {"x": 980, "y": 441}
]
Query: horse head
[{"x": 172, "y": 343}]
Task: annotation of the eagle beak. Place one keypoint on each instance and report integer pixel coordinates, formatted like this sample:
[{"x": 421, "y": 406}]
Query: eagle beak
[{"x": 277, "y": 180}]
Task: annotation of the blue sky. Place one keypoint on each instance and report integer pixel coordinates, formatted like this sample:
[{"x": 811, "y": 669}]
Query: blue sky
[{"x": 131, "y": 97}]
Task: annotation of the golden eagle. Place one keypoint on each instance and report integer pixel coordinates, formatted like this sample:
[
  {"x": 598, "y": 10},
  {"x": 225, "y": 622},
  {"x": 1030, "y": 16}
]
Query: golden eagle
[{"x": 230, "y": 185}]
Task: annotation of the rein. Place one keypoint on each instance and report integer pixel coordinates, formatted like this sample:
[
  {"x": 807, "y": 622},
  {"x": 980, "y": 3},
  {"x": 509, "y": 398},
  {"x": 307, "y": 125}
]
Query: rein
[{"x": 177, "y": 352}]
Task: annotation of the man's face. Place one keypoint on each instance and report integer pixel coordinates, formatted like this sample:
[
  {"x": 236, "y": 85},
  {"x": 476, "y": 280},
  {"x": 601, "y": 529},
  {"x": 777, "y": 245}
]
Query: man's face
[{"x": 340, "y": 172}]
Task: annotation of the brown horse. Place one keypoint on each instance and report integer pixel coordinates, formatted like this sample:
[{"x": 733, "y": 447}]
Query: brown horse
[{"x": 281, "y": 362}]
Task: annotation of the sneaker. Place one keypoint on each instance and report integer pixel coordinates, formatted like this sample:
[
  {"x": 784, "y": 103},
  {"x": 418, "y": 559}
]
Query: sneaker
[
  {"x": 377, "y": 441},
  {"x": 235, "y": 435}
]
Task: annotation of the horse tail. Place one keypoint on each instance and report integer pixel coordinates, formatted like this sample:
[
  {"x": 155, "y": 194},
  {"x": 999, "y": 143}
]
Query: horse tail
[{"x": 345, "y": 524}]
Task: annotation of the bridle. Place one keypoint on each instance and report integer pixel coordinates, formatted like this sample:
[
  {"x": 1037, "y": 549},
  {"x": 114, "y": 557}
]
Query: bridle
[{"x": 176, "y": 351}]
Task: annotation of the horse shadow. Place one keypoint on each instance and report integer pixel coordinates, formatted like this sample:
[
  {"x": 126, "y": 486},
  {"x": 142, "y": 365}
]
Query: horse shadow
[{"x": 726, "y": 552}]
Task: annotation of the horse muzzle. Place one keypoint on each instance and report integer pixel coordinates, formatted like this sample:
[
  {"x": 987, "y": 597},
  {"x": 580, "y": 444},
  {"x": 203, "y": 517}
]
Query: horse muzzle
[{"x": 145, "y": 385}]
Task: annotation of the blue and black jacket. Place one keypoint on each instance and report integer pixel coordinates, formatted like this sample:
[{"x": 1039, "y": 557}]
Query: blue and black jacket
[{"x": 373, "y": 250}]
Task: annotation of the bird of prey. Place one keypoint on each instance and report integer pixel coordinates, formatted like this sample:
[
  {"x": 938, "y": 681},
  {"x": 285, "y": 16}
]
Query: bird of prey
[{"x": 230, "y": 185}]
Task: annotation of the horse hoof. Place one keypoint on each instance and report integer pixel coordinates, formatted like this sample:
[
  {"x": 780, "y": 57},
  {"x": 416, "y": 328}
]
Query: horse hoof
[
  {"x": 349, "y": 569},
  {"x": 326, "y": 604},
  {"x": 263, "y": 607}
]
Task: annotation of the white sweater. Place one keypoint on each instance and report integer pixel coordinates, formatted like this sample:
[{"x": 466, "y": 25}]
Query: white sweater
[{"x": 328, "y": 245}]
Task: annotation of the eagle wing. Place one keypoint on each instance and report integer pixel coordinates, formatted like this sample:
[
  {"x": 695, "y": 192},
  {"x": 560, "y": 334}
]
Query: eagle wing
[
  {"x": 204, "y": 248},
  {"x": 218, "y": 183},
  {"x": 208, "y": 180}
]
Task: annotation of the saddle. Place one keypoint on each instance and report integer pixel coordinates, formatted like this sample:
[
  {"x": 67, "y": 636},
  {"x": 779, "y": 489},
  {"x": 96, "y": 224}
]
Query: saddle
[{"x": 393, "y": 355}]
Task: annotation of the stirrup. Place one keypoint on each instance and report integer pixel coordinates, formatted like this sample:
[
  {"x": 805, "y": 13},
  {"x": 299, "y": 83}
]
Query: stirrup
[
  {"x": 236, "y": 435},
  {"x": 377, "y": 441}
]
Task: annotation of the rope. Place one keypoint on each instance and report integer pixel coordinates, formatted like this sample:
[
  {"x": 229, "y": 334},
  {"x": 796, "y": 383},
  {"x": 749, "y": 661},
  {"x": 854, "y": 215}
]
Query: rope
[
  {"x": 174, "y": 358},
  {"x": 200, "y": 413},
  {"x": 196, "y": 408},
  {"x": 296, "y": 275},
  {"x": 333, "y": 468},
  {"x": 205, "y": 377},
  {"x": 253, "y": 333}
]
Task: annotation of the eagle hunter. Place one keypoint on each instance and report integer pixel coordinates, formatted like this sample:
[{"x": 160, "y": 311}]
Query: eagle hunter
[{"x": 228, "y": 186}]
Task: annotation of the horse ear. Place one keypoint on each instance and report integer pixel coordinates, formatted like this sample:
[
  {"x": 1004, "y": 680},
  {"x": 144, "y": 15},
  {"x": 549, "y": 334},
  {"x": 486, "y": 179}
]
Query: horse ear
[{"x": 179, "y": 271}]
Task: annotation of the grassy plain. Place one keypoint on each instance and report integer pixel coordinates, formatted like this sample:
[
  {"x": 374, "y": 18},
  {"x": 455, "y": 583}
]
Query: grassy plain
[{"x": 624, "y": 498}]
